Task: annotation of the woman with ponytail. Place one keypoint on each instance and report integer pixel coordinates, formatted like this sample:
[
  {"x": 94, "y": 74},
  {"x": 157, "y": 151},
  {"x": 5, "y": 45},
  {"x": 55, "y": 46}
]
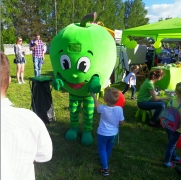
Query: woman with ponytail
[{"x": 147, "y": 99}]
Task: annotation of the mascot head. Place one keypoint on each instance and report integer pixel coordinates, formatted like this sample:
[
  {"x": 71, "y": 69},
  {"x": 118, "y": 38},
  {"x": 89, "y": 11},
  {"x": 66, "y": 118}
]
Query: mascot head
[{"x": 80, "y": 51}]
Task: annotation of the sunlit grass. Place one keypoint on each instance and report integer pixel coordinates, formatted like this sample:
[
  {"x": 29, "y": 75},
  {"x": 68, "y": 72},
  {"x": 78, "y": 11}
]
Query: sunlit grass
[{"x": 139, "y": 156}]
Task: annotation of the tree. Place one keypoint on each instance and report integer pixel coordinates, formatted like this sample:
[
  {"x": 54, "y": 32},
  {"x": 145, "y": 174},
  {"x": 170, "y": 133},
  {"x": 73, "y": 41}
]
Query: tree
[
  {"x": 135, "y": 15},
  {"x": 110, "y": 12},
  {"x": 26, "y": 17},
  {"x": 161, "y": 19},
  {"x": 8, "y": 14},
  {"x": 2, "y": 43},
  {"x": 33, "y": 19}
]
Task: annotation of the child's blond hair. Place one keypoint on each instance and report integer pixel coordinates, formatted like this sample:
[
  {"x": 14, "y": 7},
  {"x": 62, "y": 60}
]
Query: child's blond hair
[
  {"x": 112, "y": 95},
  {"x": 178, "y": 88},
  {"x": 133, "y": 68}
]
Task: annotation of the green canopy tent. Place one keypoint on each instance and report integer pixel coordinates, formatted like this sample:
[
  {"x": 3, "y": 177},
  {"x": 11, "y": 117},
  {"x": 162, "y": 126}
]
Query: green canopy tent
[{"x": 170, "y": 28}]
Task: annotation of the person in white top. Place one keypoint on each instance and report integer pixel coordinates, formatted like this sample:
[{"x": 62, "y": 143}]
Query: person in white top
[
  {"x": 180, "y": 55},
  {"x": 176, "y": 51},
  {"x": 111, "y": 117},
  {"x": 24, "y": 136},
  {"x": 20, "y": 60},
  {"x": 130, "y": 80}
]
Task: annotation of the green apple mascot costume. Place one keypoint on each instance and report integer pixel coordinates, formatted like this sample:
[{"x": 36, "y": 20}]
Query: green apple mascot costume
[{"x": 83, "y": 56}]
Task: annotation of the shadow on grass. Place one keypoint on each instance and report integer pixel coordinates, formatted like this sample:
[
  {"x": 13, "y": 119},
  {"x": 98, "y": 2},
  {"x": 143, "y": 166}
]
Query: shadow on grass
[{"x": 132, "y": 159}]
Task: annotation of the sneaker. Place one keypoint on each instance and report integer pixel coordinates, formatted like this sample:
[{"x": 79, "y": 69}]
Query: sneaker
[
  {"x": 178, "y": 161},
  {"x": 169, "y": 164},
  {"x": 156, "y": 125},
  {"x": 23, "y": 82},
  {"x": 19, "y": 82},
  {"x": 133, "y": 98},
  {"x": 105, "y": 172}
]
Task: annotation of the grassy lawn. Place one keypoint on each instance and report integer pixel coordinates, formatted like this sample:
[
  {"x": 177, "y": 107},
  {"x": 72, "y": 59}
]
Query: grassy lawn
[{"x": 139, "y": 156}]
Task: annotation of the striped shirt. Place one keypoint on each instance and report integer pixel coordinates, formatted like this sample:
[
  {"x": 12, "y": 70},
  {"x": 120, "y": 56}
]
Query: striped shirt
[
  {"x": 38, "y": 51},
  {"x": 24, "y": 139}
]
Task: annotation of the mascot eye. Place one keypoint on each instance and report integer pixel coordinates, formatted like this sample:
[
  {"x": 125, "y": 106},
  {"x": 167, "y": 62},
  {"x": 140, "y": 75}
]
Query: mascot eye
[
  {"x": 65, "y": 62},
  {"x": 83, "y": 64}
]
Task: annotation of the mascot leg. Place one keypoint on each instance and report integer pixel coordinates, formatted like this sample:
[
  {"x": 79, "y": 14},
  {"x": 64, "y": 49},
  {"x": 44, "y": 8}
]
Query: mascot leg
[
  {"x": 74, "y": 106},
  {"x": 88, "y": 110}
]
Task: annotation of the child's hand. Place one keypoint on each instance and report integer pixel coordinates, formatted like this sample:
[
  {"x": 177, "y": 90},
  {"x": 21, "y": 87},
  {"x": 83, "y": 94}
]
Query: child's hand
[
  {"x": 169, "y": 98},
  {"x": 93, "y": 95}
]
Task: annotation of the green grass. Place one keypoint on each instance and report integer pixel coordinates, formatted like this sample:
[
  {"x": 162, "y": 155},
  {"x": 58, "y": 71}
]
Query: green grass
[{"x": 139, "y": 156}]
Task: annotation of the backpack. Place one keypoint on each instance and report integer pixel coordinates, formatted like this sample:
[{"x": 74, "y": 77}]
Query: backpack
[{"x": 170, "y": 118}]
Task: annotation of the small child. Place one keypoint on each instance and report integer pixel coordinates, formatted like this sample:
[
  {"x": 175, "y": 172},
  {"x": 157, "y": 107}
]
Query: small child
[
  {"x": 110, "y": 118},
  {"x": 170, "y": 156},
  {"x": 131, "y": 80}
]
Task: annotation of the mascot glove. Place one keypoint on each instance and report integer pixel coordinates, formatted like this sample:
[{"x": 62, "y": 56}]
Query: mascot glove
[
  {"x": 94, "y": 85},
  {"x": 57, "y": 82}
]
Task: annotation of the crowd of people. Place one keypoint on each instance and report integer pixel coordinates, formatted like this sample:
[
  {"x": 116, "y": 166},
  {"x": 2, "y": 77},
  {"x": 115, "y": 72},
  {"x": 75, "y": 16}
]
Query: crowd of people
[{"x": 147, "y": 99}]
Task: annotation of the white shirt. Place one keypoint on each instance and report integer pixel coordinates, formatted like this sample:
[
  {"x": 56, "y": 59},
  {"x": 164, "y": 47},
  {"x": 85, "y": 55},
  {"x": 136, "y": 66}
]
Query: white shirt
[
  {"x": 24, "y": 139},
  {"x": 180, "y": 53},
  {"x": 21, "y": 50},
  {"x": 133, "y": 80},
  {"x": 176, "y": 51},
  {"x": 109, "y": 120}
]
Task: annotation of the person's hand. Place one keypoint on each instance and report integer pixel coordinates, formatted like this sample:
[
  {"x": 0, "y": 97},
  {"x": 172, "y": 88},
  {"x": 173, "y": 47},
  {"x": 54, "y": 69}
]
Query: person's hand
[
  {"x": 169, "y": 98},
  {"x": 93, "y": 95},
  {"x": 94, "y": 85},
  {"x": 36, "y": 43},
  {"x": 57, "y": 82}
]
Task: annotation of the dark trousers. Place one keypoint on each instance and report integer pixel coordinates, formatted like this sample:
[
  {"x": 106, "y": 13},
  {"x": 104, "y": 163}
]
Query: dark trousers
[{"x": 133, "y": 90}]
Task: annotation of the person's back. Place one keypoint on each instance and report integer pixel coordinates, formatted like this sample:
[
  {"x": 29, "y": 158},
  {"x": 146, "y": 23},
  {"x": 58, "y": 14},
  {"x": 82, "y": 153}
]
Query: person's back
[
  {"x": 107, "y": 132},
  {"x": 171, "y": 157},
  {"x": 24, "y": 137},
  {"x": 176, "y": 52},
  {"x": 109, "y": 119},
  {"x": 130, "y": 80},
  {"x": 176, "y": 103}
]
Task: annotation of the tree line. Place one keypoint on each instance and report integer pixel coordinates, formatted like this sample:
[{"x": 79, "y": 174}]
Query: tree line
[{"x": 25, "y": 18}]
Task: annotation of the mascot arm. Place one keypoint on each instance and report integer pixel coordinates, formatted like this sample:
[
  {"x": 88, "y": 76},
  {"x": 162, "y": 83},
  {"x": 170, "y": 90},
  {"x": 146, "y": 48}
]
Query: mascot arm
[
  {"x": 94, "y": 85},
  {"x": 58, "y": 82}
]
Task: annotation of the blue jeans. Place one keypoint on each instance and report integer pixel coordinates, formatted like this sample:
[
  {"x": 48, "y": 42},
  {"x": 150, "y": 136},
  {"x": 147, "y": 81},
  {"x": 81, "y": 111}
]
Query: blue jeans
[
  {"x": 158, "y": 106},
  {"x": 105, "y": 145},
  {"x": 173, "y": 137},
  {"x": 37, "y": 65},
  {"x": 133, "y": 90}
]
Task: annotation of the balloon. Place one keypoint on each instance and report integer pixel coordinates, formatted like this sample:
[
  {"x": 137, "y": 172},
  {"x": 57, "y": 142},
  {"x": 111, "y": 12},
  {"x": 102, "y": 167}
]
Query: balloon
[
  {"x": 121, "y": 101},
  {"x": 132, "y": 44},
  {"x": 125, "y": 41},
  {"x": 178, "y": 144},
  {"x": 158, "y": 51},
  {"x": 157, "y": 44}
]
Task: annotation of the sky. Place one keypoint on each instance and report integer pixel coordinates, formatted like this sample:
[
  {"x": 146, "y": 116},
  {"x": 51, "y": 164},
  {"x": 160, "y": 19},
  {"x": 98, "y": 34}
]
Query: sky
[{"x": 162, "y": 9}]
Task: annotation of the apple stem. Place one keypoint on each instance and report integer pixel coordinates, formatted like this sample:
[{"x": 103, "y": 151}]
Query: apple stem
[{"x": 88, "y": 18}]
